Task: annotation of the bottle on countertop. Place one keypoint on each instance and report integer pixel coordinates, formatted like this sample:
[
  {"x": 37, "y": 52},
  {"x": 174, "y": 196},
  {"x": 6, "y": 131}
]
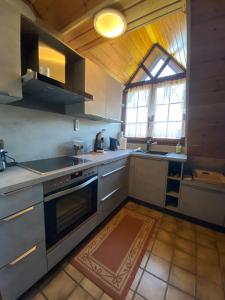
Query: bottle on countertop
[
  {"x": 178, "y": 148},
  {"x": 123, "y": 142}
]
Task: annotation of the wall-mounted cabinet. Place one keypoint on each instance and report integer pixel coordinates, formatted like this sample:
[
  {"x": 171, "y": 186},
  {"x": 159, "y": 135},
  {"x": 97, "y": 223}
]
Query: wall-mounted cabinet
[
  {"x": 107, "y": 96},
  {"x": 10, "y": 77}
]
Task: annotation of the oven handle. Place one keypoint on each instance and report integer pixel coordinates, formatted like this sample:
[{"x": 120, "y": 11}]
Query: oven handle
[{"x": 71, "y": 190}]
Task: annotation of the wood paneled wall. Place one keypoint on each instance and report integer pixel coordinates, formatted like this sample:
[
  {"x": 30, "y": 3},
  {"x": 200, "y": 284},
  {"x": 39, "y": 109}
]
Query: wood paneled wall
[{"x": 206, "y": 108}]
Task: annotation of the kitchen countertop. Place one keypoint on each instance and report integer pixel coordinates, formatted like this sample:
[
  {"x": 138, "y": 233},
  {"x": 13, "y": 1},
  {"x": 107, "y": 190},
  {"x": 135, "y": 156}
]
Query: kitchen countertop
[{"x": 16, "y": 177}]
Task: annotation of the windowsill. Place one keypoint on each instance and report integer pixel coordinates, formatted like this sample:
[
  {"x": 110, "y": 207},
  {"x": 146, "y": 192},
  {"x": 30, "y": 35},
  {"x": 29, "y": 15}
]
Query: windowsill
[{"x": 158, "y": 140}]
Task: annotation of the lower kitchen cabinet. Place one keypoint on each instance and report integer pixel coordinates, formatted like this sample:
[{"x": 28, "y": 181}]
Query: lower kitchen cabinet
[
  {"x": 148, "y": 180},
  {"x": 112, "y": 186},
  {"x": 203, "y": 203}
]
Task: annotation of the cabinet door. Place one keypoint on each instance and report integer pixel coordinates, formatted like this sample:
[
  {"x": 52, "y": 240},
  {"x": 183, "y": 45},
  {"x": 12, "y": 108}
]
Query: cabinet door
[
  {"x": 10, "y": 76},
  {"x": 148, "y": 180},
  {"x": 95, "y": 84},
  {"x": 203, "y": 204}
]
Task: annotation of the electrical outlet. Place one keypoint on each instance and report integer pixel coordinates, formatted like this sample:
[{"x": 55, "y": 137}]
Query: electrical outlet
[{"x": 76, "y": 125}]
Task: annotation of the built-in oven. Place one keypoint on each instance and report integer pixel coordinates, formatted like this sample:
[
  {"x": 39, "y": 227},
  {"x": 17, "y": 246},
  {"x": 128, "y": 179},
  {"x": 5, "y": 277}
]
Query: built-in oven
[{"x": 68, "y": 202}]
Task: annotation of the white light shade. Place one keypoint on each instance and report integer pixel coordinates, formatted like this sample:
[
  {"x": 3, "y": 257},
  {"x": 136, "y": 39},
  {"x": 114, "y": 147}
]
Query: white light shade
[{"x": 110, "y": 23}]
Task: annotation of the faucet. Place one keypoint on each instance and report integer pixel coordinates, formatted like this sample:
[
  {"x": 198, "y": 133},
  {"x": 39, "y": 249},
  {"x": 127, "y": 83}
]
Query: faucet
[{"x": 149, "y": 143}]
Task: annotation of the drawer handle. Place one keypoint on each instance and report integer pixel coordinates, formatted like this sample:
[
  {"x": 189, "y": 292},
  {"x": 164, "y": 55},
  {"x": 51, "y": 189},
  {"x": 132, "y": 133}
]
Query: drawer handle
[
  {"x": 20, "y": 213},
  {"x": 110, "y": 194},
  {"x": 112, "y": 172},
  {"x": 15, "y": 261},
  {"x": 16, "y": 191}
]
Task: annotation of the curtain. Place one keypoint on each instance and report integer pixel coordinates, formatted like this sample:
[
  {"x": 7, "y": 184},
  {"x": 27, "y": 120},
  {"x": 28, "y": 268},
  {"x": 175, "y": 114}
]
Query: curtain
[
  {"x": 137, "y": 111},
  {"x": 167, "y": 110}
]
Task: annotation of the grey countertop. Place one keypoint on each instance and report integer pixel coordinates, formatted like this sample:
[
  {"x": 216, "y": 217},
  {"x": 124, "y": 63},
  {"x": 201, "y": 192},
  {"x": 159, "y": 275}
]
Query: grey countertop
[{"x": 16, "y": 177}]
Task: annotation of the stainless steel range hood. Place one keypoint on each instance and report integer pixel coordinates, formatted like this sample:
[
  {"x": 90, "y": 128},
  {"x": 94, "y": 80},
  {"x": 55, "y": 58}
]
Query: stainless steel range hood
[{"x": 38, "y": 87}]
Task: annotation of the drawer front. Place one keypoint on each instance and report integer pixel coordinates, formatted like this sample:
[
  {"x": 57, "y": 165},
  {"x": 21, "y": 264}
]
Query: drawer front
[
  {"x": 20, "y": 199},
  {"x": 109, "y": 181},
  {"x": 111, "y": 202},
  {"x": 21, "y": 274},
  {"x": 109, "y": 167},
  {"x": 20, "y": 232}
]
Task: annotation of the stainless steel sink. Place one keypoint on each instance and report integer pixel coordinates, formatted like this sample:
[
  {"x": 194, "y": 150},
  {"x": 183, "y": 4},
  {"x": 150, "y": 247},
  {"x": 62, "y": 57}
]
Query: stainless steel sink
[{"x": 156, "y": 152}]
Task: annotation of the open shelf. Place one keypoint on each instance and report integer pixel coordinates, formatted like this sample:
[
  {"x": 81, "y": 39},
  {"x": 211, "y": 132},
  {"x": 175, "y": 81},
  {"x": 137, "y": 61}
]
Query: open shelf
[
  {"x": 173, "y": 194},
  {"x": 174, "y": 178},
  {"x": 171, "y": 202}
]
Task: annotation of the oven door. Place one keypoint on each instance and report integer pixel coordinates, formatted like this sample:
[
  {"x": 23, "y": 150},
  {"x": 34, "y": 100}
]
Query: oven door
[{"x": 68, "y": 208}]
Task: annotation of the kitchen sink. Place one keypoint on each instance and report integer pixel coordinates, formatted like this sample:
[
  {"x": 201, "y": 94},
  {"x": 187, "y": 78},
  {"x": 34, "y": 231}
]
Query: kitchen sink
[{"x": 156, "y": 152}]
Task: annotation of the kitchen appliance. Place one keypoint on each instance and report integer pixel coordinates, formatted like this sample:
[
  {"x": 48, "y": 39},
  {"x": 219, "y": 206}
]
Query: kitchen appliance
[
  {"x": 78, "y": 146},
  {"x": 3, "y": 163},
  {"x": 99, "y": 142},
  {"x": 43, "y": 166},
  {"x": 68, "y": 202},
  {"x": 114, "y": 143}
]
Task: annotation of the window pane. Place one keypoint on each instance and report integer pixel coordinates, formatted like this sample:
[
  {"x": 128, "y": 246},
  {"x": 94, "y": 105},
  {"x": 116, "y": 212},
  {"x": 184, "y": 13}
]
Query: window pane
[
  {"x": 132, "y": 99},
  {"x": 175, "y": 112},
  {"x": 157, "y": 67},
  {"x": 141, "y": 130},
  {"x": 162, "y": 96},
  {"x": 177, "y": 93},
  {"x": 131, "y": 115},
  {"x": 161, "y": 113},
  {"x": 167, "y": 71},
  {"x": 130, "y": 130},
  {"x": 142, "y": 115},
  {"x": 174, "y": 130},
  {"x": 159, "y": 130},
  {"x": 143, "y": 98}
]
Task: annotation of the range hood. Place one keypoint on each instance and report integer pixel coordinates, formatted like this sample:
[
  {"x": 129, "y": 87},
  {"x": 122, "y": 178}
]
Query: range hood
[{"x": 38, "y": 87}]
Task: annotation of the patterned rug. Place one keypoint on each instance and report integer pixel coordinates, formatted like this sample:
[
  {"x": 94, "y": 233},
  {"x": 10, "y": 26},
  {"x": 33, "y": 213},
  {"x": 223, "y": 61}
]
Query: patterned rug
[{"x": 112, "y": 257}]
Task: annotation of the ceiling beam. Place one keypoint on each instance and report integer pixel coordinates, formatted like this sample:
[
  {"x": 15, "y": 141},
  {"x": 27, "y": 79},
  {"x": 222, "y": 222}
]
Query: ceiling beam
[{"x": 89, "y": 14}]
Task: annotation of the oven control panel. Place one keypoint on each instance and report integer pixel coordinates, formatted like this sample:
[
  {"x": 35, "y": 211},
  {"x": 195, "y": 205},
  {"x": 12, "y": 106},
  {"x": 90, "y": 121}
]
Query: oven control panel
[{"x": 66, "y": 180}]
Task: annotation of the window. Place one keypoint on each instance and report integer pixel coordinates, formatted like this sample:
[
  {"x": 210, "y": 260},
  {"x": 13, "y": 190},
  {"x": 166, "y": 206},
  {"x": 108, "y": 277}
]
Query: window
[
  {"x": 163, "y": 104},
  {"x": 137, "y": 112},
  {"x": 169, "y": 110}
]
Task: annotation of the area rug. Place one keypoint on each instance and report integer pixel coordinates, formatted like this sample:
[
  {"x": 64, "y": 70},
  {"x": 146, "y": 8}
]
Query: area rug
[{"x": 112, "y": 257}]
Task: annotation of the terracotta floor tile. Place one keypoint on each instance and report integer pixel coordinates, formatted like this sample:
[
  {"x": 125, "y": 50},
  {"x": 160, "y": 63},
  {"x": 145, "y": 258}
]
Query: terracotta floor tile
[
  {"x": 166, "y": 236},
  {"x": 162, "y": 250},
  {"x": 183, "y": 280},
  {"x": 206, "y": 231},
  {"x": 220, "y": 236},
  {"x": 221, "y": 246},
  {"x": 222, "y": 262},
  {"x": 185, "y": 246},
  {"x": 207, "y": 255},
  {"x": 150, "y": 244},
  {"x": 38, "y": 296},
  {"x": 185, "y": 261},
  {"x": 168, "y": 218},
  {"x": 91, "y": 288},
  {"x": 210, "y": 272},
  {"x": 129, "y": 295},
  {"x": 80, "y": 294},
  {"x": 106, "y": 297},
  {"x": 167, "y": 226},
  {"x": 151, "y": 288},
  {"x": 205, "y": 240},
  {"x": 207, "y": 290},
  {"x": 158, "y": 267},
  {"x": 136, "y": 279},
  {"x": 73, "y": 272},
  {"x": 175, "y": 294},
  {"x": 145, "y": 259},
  {"x": 186, "y": 233},
  {"x": 186, "y": 224},
  {"x": 59, "y": 287}
]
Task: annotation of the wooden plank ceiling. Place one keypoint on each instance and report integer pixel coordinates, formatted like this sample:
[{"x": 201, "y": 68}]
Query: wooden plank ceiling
[{"x": 149, "y": 22}]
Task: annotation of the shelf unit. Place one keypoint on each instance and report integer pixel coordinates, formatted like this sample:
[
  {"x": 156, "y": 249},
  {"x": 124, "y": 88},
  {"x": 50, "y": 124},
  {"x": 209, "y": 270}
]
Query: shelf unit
[{"x": 174, "y": 177}]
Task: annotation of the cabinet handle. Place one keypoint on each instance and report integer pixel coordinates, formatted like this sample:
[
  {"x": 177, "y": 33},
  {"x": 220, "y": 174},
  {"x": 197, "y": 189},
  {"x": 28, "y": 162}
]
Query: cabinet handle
[
  {"x": 112, "y": 172},
  {"x": 15, "y": 191},
  {"x": 18, "y": 259},
  {"x": 20, "y": 213},
  {"x": 110, "y": 194}
]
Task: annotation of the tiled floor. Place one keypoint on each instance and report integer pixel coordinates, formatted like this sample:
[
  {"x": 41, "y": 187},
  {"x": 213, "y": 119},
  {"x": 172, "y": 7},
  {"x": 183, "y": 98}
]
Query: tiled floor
[{"x": 183, "y": 261}]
